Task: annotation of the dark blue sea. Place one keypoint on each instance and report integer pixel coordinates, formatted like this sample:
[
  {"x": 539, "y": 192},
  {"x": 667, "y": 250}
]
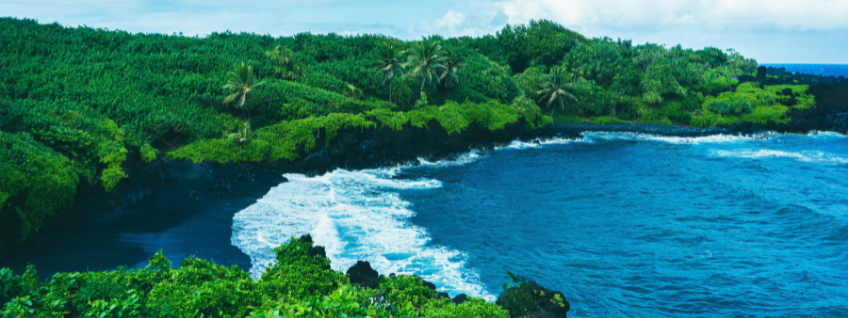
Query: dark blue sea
[
  {"x": 625, "y": 225},
  {"x": 834, "y": 70}
]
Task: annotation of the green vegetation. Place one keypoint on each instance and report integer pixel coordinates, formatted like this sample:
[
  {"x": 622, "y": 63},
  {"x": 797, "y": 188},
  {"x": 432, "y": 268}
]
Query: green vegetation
[
  {"x": 148, "y": 153},
  {"x": 555, "y": 90},
  {"x": 425, "y": 60},
  {"x": 298, "y": 285},
  {"x": 34, "y": 179},
  {"x": 752, "y": 103},
  {"x": 78, "y": 99}
]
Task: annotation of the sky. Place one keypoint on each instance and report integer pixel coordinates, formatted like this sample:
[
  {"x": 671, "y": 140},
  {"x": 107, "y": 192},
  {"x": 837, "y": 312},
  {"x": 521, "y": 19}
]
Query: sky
[{"x": 771, "y": 31}]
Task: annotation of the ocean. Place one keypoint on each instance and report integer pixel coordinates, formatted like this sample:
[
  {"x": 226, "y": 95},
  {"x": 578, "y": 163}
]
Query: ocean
[{"x": 623, "y": 224}]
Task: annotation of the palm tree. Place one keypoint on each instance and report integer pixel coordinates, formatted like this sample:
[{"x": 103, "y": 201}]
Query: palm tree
[
  {"x": 425, "y": 59},
  {"x": 240, "y": 84},
  {"x": 352, "y": 91},
  {"x": 555, "y": 89},
  {"x": 286, "y": 67},
  {"x": 452, "y": 63},
  {"x": 387, "y": 64}
]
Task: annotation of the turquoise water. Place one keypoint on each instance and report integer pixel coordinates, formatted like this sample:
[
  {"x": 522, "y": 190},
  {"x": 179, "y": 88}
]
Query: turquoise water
[{"x": 622, "y": 224}]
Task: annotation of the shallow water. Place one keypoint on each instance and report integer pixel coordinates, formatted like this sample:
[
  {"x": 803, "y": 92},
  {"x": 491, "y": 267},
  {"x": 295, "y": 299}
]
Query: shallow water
[{"x": 622, "y": 224}]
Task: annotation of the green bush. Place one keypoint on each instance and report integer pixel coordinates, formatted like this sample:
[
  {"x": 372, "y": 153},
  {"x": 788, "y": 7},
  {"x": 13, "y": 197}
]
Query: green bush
[
  {"x": 280, "y": 141},
  {"x": 148, "y": 153},
  {"x": 472, "y": 308},
  {"x": 34, "y": 179},
  {"x": 297, "y": 274},
  {"x": 604, "y": 120},
  {"x": 298, "y": 285},
  {"x": 752, "y": 103},
  {"x": 401, "y": 290}
]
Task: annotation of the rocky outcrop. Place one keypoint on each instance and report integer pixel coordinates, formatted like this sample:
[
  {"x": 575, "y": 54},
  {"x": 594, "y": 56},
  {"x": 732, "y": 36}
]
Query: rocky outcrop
[
  {"x": 526, "y": 300},
  {"x": 363, "y": 275}
]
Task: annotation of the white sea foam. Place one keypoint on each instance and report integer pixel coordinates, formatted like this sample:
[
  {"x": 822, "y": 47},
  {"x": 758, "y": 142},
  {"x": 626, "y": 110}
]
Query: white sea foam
[
  {"x": 353, "y": 216},
  {"x": 630, "y": 136},
  {"x": 518, "y": 144},
  {"x": 827, "y": 134},
  {"x": 806, "y": 156},
  {"x": 460, "y": 160}
]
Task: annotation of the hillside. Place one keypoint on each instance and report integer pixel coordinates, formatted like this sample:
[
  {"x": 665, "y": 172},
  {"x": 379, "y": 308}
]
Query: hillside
[{"x": 76, "y": 102}]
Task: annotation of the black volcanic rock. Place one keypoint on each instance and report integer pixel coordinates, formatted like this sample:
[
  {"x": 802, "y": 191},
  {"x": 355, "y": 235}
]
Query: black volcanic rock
[
  {"x": 461, "y": 298},
  {"x": 361, "y": 273},
  {"x": 318, "y": 250}
]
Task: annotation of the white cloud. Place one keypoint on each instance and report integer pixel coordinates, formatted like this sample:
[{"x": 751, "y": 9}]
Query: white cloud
[
  {"x": 738, "y": 15},
  {"x": 451, "y": 21},
  {"x": 455, "y": 23}
]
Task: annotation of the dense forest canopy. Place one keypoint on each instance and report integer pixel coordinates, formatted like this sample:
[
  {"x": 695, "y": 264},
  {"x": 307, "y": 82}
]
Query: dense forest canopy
[{"x": 75, "y": 101}]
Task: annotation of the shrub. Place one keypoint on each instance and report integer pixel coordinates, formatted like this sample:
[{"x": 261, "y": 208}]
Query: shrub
[
  {"x": 604, "y": 120},
  {"x": 148, "y": 153},
  {"x": 34, "y": 179}
]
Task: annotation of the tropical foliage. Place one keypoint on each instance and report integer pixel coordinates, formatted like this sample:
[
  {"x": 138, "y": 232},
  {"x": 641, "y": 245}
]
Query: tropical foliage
[
  {"x": 555, "y": 90},
  {"x": 76, "y": 103},
  {"x": 388, "y": 64},
  {"x": 425, "y": 60},
  {"x": 297, "y": 285}
]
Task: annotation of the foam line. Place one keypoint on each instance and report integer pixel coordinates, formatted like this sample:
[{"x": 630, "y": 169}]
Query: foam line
[
  {"x": 353, "y": 216},
  {"x": 812, "y": 157},
  {"x": 630, "y": 136}
]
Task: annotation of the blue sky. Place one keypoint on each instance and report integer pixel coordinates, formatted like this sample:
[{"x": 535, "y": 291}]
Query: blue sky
[{"x": 772, "y": 31}]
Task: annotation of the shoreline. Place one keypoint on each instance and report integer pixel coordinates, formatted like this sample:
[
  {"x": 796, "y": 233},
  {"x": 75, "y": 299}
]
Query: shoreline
[{"x": 178, "y": 191}]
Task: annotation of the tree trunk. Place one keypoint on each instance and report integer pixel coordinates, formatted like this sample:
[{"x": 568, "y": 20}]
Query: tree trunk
[
  {"x": 390, "y": 92},
  {"x": 422, "y": 82}
]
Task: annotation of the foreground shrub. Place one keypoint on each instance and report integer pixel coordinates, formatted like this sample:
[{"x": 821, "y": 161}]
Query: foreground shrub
[{"x": 299, "y": 284}]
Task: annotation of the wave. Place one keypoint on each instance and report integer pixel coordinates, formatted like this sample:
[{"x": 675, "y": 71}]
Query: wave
[
  {"x": 826, "y": 134},
  {"x": 460, "y": 160},
  {"x": 518, "y": 144},
  {"x": 353, "y": 216},
  {"x": 632, "y": 136},
  {"x": 808, "y": 156}
]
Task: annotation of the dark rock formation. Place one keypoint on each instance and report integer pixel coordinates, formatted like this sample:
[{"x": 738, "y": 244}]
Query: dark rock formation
[
  {"x": 529, "y": 300},
  {"x": 361, "y": 273},
  {"x": 318, "y": 250},
  {"x": 461, "y": 298}
]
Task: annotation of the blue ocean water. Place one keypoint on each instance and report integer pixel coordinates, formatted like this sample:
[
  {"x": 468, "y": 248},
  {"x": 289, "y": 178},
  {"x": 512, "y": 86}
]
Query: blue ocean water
[
  {"x": 834, "y": 70},
  {"x": 623, "y": 224}
]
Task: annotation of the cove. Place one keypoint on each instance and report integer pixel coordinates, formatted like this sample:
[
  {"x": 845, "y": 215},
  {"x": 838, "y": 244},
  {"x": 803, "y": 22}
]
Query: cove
[{"x": 624, "y": 224}]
